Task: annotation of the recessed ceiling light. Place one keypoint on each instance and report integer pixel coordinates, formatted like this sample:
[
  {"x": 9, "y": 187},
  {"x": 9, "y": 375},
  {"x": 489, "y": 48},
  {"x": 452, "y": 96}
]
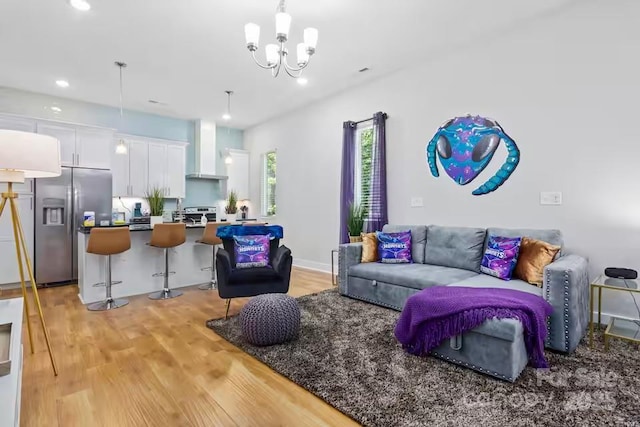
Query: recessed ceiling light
[
  {"x": 56, "y": 109},
  {"x": 302, "y": 81},
  {"x": 62, "y": 83},
  {"x": 226, "y": 116},
  {"x": 82, "y": 5}
]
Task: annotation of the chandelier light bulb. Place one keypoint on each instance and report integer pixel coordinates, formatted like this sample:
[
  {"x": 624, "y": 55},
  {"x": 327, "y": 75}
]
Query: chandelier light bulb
[
  {"x": 252, "y": 34},
  {"x": 283, "y": 24},
  {"x": 226, "y": 116},
  {"x": 81, "y": 5},
  {"x": 302, "y": 81},
  {"x": 303, "y": 55},
  {"x": 272, "y": 53},
  {"x": 311, "y": 37}
]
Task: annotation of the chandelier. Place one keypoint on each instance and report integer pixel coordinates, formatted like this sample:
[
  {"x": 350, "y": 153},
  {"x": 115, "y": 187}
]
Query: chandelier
[{"x": 277, "y": 53}]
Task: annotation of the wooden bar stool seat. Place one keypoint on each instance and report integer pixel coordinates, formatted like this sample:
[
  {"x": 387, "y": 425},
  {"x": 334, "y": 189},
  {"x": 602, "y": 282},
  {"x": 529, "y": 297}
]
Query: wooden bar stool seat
[
  {"x": 209, "y": 238},
  {"x": 167, "y": 236},
  {"x": 107, "y": 242}
]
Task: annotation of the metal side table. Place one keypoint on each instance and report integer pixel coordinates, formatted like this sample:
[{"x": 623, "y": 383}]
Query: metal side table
[{"x": 618, "y": 327}]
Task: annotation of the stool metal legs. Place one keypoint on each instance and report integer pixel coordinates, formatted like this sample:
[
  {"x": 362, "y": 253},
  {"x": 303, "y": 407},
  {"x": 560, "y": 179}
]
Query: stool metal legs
[
  {"x": 165, "y": 293},
  {"x": 110, "y": 303},
  {"x": 214, "y": 283}
]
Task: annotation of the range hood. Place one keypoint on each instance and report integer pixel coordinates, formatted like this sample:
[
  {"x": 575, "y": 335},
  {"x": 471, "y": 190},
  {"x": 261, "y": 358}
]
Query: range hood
[{"x": 205, "y": 153}]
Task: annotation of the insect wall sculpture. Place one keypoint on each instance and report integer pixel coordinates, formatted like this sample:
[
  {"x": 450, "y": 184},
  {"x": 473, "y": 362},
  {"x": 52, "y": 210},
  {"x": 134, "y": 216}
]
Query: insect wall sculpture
[{"x": 465, "y": 146}]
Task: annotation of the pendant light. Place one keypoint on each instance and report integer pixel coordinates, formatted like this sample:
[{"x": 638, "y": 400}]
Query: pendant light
[
  {"x": 121, "y": 148},
  {"x": 227, "y": 116}
]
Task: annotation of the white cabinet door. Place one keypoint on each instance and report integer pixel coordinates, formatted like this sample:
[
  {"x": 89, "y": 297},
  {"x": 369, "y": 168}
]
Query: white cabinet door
[
  {"x": 158, "y": 167},
  {"x": 9, "y": 272},
  {"x": 67, "y": 137},
  {"x": 120, "y": 170},
  {"x": 176, "y": 169},
  {"x": 238, "y": 172},
  {"x": 138, "y": 168},
  {"x": 93, "y": 148},
  {"x": 17, "y": 123}
]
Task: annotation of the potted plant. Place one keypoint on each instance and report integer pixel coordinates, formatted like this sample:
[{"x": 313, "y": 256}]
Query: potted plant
[
  {"x": 355, "y": 222},
  {"x": 155, "y": 199},
  {"x": 232, "y": 204}
]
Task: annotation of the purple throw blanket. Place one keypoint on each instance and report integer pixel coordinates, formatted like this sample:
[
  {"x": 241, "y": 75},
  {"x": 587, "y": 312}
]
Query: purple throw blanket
[{"x": 440, "y": 312}]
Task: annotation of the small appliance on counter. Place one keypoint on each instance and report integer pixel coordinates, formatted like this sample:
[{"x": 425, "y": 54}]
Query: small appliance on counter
[
  {"x": 195, "y": 214},
  {"x": 137, "y": 210},
  {"x": 139, "y": 222}
]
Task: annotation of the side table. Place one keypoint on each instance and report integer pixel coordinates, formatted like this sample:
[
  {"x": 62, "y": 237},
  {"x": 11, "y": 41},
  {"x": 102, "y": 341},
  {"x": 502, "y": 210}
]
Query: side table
[
  {"x": 334, "y": 275},
  {"x": 618, "y": 327}
]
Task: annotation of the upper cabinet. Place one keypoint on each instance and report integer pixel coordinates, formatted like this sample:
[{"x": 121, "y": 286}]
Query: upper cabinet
[
  {"x": 238, "y": 172},
  {"x": 81, "y": 146},
  {"x": 149, "y": 164}
]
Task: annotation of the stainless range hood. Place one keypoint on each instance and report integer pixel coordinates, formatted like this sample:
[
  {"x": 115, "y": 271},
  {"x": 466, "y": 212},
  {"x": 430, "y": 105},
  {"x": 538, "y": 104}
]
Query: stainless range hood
[{"x": 205, "y": 152}]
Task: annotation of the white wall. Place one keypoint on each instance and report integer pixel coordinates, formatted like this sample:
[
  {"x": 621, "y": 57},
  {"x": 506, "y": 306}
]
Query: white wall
[{"x": 564, "y": 87}]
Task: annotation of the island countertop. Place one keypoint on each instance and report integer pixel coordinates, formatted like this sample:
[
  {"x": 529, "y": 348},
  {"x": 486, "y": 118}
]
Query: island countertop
[{"x": 147, "y": 227}]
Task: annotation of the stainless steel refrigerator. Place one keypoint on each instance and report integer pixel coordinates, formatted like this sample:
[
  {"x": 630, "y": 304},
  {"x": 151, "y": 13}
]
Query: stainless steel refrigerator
[{"x": 60, "y": 204}]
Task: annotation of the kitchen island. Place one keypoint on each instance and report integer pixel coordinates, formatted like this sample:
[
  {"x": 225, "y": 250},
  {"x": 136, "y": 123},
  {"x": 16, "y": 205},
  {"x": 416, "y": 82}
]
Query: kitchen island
[{"x": 136, "y": 267}]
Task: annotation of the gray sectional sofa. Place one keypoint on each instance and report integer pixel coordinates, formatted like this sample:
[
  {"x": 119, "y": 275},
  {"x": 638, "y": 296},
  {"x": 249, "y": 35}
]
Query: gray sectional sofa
[{"x": 451, "y": 256}]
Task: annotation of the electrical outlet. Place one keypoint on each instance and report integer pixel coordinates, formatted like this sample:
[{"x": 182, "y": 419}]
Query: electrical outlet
[
  {"x": 551, "y": 198},
  {"x": 417, "y": 202}
]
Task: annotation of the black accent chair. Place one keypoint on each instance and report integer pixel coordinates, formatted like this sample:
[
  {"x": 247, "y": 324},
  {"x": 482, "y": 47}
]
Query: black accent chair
[{"x": 249, "y": 282}]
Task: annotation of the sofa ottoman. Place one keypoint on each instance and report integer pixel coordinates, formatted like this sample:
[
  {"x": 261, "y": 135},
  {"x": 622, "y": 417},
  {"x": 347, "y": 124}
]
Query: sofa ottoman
[{"x": 270, "y": 319}]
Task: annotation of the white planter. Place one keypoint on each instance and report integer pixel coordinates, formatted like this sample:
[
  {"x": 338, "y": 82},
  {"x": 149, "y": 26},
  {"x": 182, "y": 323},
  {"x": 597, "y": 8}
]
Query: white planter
[{"x": 156, "y": 220}]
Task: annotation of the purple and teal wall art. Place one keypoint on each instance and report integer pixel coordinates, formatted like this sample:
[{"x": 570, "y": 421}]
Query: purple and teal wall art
[{"x": 465, "y": 146}]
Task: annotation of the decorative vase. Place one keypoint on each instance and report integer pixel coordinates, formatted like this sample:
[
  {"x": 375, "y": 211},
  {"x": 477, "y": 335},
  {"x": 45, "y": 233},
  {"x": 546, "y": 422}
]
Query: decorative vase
[
  {"x": 355, "y": 239},
  {"x": 155, "y": 220}
]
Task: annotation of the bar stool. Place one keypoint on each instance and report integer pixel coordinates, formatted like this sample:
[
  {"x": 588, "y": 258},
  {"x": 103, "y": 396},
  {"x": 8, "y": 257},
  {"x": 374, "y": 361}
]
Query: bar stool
[
  {"x": 209, "y": 238},
  {"x": 108, "y": 241},
  {"x": 167, "y": 236}
]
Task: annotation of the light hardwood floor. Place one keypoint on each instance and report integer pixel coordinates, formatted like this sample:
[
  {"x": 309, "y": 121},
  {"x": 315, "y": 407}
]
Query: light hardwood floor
[{"x": 155, "y": 363}]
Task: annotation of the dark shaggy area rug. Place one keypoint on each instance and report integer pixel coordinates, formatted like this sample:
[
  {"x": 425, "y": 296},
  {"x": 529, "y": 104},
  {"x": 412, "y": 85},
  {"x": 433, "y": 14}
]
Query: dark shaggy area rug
[{"x": 347, "y": 355}]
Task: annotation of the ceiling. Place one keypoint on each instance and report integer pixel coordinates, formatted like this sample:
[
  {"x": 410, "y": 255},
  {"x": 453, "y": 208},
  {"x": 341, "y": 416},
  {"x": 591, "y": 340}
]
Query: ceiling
[{"x": 186, "y": 53}]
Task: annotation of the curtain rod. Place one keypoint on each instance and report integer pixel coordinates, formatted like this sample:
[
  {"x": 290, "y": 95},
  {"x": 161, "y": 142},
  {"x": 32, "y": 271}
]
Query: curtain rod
[{"x": 370, "y": 119}]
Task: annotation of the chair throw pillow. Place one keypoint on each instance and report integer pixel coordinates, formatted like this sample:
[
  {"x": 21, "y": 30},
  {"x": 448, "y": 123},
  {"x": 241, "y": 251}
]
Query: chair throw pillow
[
  {"x": 369, "y": 247},
  {"x": 534, "y": 256},
  {"x": 251, "y": 251},
  {"x": 501, "y": 256},
  {"x": 394, "y": 248}
]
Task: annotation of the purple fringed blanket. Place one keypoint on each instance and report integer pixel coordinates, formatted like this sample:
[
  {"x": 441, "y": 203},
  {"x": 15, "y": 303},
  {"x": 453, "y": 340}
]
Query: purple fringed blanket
[{"x": 440, "y": 312}]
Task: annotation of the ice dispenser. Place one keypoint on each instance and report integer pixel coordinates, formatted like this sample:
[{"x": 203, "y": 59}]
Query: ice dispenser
[{"x": 53, "y": 211}]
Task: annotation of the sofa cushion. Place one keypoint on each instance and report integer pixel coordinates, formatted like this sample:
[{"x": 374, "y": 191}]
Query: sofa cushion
[
  {"x": 416, "y": 276},
  {"x": 457, "y": 247},
  {"x": 485, "y": 281},
  {"x": 550, "y": 236},
  {"x": 418, "y": 238}
]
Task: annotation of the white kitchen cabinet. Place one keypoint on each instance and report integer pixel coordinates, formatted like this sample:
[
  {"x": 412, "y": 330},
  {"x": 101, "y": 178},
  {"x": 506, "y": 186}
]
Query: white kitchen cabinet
[
  {"x": 81, "y": 146},
  {"x": 238, "y": 172},
  {"x": 176, "y": 171},
  {"x": 9, "y": 272},
  {"x": 158, "y": 167},
  {"x": 130, "y": 171},
  {"x": 67, "y": 137},
  {"x": 120, "y": 170},
  {"x": 93, "y": 148},
  {"x": 138, "y": 168}
]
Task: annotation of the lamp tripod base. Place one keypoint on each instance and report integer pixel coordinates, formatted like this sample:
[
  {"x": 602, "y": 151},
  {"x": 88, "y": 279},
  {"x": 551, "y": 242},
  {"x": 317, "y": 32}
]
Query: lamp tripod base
[{"x": 21, "y": 250}]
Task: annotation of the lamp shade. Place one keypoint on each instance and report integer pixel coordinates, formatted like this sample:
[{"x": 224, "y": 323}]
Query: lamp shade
[{"x": 28, "y": 155}]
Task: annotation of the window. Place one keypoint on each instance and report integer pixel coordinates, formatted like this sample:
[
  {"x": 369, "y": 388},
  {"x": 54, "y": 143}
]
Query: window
[
  {"x": 363, "y": 164},
  {"x": 269, "y": 183}
]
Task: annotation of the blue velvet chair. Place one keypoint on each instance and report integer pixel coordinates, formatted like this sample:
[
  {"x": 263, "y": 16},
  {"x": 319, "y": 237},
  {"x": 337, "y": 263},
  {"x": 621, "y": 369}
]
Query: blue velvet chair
[{"x": 248, "y": 282}]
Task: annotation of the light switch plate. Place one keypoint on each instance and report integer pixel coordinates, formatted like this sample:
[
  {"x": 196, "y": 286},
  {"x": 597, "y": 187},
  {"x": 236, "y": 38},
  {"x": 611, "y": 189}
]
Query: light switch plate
[
  {"x": 417, "y": 202},
  {"x": 551, "y": 198}
]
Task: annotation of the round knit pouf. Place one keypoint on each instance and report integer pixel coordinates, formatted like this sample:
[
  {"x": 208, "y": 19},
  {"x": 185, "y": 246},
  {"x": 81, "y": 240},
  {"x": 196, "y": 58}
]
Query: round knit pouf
[{"x": 270, "y": 319}]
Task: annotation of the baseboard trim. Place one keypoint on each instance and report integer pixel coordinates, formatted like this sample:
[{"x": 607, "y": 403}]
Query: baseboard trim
[{"x": 312, "y": 265}]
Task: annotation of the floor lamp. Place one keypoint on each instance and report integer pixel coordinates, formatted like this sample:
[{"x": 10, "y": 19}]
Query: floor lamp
[{"x": 26, "y": 155}]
